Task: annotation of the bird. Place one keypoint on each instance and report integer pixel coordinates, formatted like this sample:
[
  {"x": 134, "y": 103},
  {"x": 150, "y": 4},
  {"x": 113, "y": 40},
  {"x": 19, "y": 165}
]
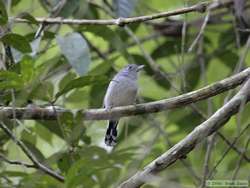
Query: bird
[{"x": 122, "y": 91}]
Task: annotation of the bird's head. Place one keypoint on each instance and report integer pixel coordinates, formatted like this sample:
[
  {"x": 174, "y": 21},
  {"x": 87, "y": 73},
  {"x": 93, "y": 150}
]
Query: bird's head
[{"x": 131, "y": 70}]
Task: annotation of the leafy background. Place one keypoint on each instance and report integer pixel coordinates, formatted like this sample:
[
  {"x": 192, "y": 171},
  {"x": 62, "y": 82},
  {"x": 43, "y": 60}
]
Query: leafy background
[{"x": 71, "y": 65}]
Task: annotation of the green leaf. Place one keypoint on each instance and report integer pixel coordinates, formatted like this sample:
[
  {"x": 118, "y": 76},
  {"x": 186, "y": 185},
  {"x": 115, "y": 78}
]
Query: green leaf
[
  {"x": 76, "y": 50},
  {"x": 78, "y": 129},
  {"x": 69, "y": 8},
  {"x": 94, "y": 160},
  {"x": 43, "y": 91},
  {"x": 229, "y": 58},
  {"x": 106, "y": 33},
  {"x": 192, "y": 74},
  {"x": 98, "y": 91},
  {"x": 27, "y": 69},
  {"x": 13, "y": 174},
  {"x": 64, "y": 163},
  {"x": 76, "y": 134},
  {"x": 81, "y": 82},
  {"x": 17, "y": 41},
  {"x": 103, "y": 68},
  {"x": 142, "y": 61},
  {"x": 38, "y": 154},
  {"x": 53, "y": 127},
  {"x": 28, "y": 17},
  {"x": 66, "y": 79},
  {"x": 15, "y": 2},
  {"x": 10, "y": 80},
  {"x": 3, "y": 14},
  {"x": 86, "y": 10},
  {"x": 185, "y": 119},
  {"x": 226, "y": 39},
  {"x": 44, "y": 133},
  {"x": 169, "y": 47}
]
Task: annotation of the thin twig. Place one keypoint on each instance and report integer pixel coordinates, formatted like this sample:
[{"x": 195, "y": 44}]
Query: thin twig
[
  {"x": 232, "y": 145},
  {"x": 200, "y": 32},
  {"x": 165, "y": 136},
  {"x": 210, "y": 144},
  {"x": 13, "y": 162},
  {"x": 240, "y": 160},
  {"x": 226, "y": 152},
  {"x": 200, "y": 7},
  {"x": 30, "y": 155}
]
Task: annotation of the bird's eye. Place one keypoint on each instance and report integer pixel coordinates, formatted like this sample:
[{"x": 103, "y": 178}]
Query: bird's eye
[{"x": 130, "y": 67}]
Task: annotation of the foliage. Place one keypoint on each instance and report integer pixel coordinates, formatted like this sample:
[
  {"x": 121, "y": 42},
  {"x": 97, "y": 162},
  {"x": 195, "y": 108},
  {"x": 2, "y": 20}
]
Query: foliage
[{"x": 71, "y": 65}]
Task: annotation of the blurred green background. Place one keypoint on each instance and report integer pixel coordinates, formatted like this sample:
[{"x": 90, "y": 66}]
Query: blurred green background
[{"x": 73, "y": 64}]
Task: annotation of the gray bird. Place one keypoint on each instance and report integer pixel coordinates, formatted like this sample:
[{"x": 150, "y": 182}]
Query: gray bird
[{"x": 122, "y": 91}]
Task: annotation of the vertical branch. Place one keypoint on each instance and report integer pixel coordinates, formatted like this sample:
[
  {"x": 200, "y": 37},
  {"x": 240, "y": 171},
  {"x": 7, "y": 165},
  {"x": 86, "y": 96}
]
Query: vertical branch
[{"x": 211, "y": 139}]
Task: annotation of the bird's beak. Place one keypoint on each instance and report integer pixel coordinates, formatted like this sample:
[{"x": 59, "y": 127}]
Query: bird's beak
[{"x": 140, "y": 68}]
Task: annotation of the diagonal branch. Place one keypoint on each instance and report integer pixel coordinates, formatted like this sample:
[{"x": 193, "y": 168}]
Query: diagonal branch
[
  {"x": 12, "y": 162},
  {"x": 226, "y": 152},
  {"x": 118, "y": 112},
  {"x": 30, "y": 155},
  {"x": 182, "y": 148},
  {"x": 232, "y": 146}
]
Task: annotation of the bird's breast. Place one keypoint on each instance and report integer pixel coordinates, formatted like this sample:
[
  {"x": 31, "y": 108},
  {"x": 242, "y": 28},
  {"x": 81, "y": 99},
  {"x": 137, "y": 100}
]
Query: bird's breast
[{"x": 121, "y": 92}]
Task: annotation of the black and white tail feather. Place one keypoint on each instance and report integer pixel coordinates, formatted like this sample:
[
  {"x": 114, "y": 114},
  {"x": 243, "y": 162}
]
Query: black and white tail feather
[{"x": 111, "y": 133}]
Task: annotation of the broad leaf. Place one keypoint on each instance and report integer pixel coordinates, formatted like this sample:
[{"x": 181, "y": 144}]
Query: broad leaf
[
  {"x": 76, "y": 50},
  {"x": 69, "y": 8},
  {"x": 38, "y": 154},
  {"x": 27, "y": 69},
  {"x": 28, "y": 17},
  {"x": 229, "y": 58},
  {"x": 81, "y": 82},
  {"x": 3, "y": 13},
  {"x": 17, "y": 41},
  {"x": 10, "y": 80}
]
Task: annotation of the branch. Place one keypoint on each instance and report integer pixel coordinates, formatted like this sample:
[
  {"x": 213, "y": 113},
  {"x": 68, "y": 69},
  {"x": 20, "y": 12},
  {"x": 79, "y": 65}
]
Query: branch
[
  {"x": 182, "y": 148},
  {"x": 232, "y": 145},
  {"x": 200, "y": 7},
  {"x": 12, "y": 162},
  {"x": 226, "y": 152},
  {"x": 30, "y": 155},
  {"x": 131, "y": 110}
]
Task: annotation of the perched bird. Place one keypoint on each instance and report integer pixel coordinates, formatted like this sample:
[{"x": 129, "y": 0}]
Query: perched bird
[{"x": 122, "y": 91}]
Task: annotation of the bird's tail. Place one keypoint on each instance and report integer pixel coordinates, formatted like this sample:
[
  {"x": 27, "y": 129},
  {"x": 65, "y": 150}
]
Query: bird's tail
[{"x": 111, "y": 133}]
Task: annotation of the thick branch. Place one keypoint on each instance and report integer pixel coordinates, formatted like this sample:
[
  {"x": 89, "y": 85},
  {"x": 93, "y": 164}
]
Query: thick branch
[
  {"x": 118, "y": 112},
  {"x": 182, "y": 148}
]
